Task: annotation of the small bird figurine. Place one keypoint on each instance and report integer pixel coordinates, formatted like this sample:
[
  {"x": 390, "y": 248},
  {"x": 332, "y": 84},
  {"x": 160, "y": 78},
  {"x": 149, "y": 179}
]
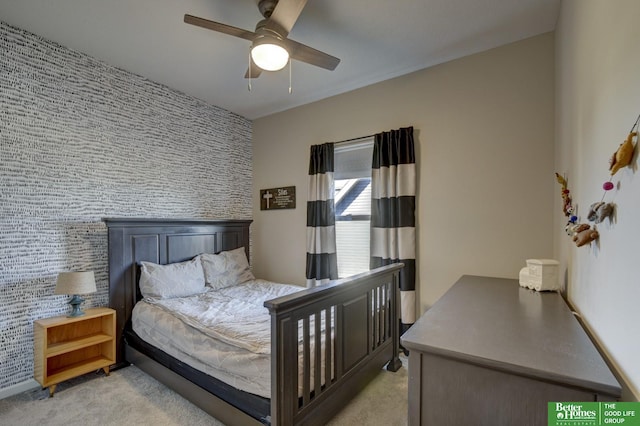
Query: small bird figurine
[{"x": 622, "y": 157}]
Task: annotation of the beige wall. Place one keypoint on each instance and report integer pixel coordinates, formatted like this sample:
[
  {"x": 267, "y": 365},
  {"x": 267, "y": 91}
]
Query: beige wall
[
  {"x": 484, "y": 132},
  {"x": 597, "y": 103}
]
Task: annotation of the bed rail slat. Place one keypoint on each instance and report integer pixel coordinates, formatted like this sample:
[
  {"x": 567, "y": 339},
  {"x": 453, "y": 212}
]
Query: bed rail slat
[
  {"x": 317, "y": 368},
  {"x": 385, "y": 309},
  {"x": 381, "y": 314},
  {"x": 306, "y": 363},
  {"x": 374, "y": 317},
  {"x": 328, "y": 354}
]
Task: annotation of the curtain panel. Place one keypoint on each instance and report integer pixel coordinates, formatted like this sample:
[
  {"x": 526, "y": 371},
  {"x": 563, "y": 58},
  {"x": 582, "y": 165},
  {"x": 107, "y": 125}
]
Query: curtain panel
[
  {"x": 322, "y": 263},
  {"x": 393, "y": 200}
]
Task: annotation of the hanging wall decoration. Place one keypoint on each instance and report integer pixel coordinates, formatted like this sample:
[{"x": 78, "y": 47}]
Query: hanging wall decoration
[
  {"x": 621, "y": 158},
  {"x": 583, "y": 233},
  {"x": 580, "y": 233},
  {"x": 567, "y": 205},
  {"x": 600, "y": 211}
]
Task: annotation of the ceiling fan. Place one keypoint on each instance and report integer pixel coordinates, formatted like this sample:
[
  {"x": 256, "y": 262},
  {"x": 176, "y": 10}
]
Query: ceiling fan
[{"x": 270, "y": 47}]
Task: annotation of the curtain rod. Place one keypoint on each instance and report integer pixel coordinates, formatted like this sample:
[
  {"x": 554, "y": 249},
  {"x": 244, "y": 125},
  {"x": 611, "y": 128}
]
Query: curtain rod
[
  {"x": 403, "y": 128},
  {"x": 353, "y": 139}
]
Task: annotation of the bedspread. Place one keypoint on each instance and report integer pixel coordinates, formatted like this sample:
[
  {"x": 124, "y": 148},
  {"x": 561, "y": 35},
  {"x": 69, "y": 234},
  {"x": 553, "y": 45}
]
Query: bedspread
[{"x": 234, "y": 315}]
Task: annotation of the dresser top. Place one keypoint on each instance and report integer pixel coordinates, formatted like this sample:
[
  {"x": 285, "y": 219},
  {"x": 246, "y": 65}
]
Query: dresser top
[{"x": 494, "y": 322}]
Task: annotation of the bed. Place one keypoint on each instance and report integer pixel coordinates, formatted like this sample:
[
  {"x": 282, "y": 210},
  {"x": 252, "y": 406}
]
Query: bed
[{"x": 326, "y": 343}]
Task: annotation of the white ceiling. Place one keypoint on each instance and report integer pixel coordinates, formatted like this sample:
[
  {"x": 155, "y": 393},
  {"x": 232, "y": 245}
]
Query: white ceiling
[{"x": 375, "y": 40}]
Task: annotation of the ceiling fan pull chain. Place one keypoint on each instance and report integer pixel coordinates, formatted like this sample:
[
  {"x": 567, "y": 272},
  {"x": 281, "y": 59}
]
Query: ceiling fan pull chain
[
  {"x": 249, "y": 87},
  {"x": 290, "y": 89}
]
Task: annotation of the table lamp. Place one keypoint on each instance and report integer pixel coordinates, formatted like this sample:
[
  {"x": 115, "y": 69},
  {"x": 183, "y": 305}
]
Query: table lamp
[{"x": 75, "y": 283}]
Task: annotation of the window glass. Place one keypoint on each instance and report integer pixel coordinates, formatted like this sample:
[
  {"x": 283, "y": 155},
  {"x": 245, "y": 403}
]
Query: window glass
[{"x": 353, "y": 206}]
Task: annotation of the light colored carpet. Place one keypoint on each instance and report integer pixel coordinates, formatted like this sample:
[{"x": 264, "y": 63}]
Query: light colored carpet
[{"x": 129, "y": 396}]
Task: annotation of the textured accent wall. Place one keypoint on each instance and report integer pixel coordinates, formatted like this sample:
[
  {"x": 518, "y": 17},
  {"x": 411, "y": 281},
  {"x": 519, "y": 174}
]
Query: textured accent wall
[{"x": 81, "y": 140}]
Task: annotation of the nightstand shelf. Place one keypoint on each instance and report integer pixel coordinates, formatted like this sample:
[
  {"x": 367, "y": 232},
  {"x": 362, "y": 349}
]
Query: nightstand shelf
[
  {"x": 69, "y": 347},
  {"x": 75, "y": 344},
  {"x": 79, "y": 368}
]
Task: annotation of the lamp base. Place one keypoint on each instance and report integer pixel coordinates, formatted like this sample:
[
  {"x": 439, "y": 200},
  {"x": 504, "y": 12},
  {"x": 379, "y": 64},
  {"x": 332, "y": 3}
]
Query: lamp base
[{"x": 75, "y": 304}]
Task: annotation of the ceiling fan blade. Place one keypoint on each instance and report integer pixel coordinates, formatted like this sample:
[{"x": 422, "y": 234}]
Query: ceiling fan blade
[
  {"x": 255, "y": 71},
  {"x": 285, "y": 15},
  {"x": 221, "y": 28},
  {"x": 304, "y": 53}
]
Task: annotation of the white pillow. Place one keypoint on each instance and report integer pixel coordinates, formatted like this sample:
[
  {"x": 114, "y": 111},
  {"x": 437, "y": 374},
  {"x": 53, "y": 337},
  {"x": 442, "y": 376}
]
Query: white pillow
[
  {"x": 226, "y": 269},
  {"x": 172, "y": 280}
]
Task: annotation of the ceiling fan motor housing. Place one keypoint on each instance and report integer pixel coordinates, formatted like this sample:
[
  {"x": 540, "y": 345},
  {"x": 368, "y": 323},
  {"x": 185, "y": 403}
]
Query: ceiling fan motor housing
[
  {"x": 266, "y": 7},
  {"x": 274, "y": 30}
]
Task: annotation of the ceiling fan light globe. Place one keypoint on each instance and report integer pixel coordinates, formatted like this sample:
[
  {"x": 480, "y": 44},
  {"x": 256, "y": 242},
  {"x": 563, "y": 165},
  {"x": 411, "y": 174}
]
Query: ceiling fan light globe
[{"x": 269, "y": 57}]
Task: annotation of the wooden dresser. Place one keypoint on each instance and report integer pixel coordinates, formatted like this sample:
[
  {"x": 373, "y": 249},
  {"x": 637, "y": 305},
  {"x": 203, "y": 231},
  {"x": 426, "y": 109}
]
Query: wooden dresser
[{"x": 492, "y": 353}]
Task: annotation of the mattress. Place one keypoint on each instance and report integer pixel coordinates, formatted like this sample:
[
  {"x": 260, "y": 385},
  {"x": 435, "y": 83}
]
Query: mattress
[{"x": 233, "y": 347}]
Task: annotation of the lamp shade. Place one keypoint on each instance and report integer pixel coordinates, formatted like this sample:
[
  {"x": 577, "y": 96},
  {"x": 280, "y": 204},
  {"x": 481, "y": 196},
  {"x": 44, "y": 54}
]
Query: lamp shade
[
  {"x": 75, "y": 283},
  {"x": 269, "y": 54}
]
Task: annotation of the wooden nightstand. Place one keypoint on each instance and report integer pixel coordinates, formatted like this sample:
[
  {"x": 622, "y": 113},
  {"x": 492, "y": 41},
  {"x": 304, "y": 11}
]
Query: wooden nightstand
[{"x": 69, "y": 347}]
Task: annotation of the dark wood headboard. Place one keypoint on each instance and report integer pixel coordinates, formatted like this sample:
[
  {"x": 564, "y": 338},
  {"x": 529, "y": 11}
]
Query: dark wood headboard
[{"x": 132, "y": 240}]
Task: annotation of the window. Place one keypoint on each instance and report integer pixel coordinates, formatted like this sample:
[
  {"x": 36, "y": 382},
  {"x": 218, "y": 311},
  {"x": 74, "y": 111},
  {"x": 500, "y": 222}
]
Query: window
[{"x": 352, "y": 197}]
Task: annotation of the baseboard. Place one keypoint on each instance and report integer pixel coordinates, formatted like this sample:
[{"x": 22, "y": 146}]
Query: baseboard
[{"x": 18, "y": 388}]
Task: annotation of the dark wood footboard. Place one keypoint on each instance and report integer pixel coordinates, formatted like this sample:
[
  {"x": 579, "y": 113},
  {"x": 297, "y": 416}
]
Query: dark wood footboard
[{"x": 328, "y": 342}]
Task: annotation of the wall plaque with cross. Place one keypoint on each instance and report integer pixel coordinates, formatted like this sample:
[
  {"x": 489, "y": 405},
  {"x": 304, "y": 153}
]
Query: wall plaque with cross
[{"x": 278, "y": 198}]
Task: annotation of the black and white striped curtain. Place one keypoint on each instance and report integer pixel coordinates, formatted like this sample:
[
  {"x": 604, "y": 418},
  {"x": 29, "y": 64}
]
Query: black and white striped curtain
[
  {"x": 322, "y": 263},
  {"x": 393, "y": 200}
]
